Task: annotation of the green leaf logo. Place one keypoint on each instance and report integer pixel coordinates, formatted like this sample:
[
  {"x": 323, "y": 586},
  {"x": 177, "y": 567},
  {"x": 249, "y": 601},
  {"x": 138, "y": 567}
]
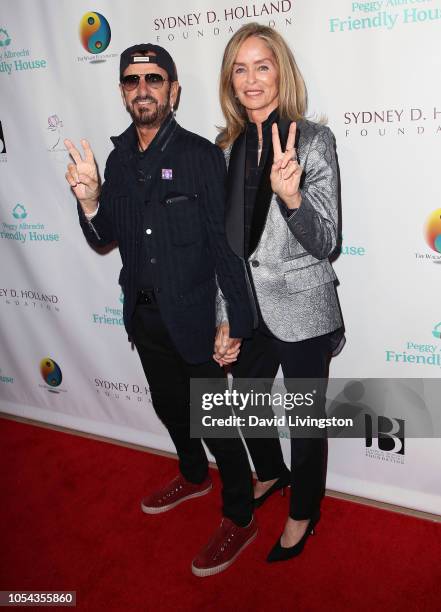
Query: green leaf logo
[{"x": 4, "y": 38}]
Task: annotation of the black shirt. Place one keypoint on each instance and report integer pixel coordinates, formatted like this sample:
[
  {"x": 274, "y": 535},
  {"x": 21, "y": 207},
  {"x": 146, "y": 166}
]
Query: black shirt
[
  {"x": 253, "y": 174},
  {"x": 253, "y": 169}
]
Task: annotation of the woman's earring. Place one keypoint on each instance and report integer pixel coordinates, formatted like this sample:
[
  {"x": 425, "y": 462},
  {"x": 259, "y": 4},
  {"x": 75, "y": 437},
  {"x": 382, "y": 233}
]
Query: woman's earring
[{"x": 172, "y": 108}]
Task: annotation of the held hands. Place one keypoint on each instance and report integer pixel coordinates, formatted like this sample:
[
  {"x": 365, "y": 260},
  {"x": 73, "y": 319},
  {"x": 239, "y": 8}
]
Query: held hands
[
  {"x": 286, "y": 172},
  {"x": 83, "y": 177},
  {"x": 226, "y": 349}
]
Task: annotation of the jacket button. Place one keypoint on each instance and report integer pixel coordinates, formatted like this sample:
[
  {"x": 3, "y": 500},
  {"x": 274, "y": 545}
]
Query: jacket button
[
  {"x": 148, "y": 231},
  {"x": 153, "y": 260},
  {"x": 255, "y": 263}
]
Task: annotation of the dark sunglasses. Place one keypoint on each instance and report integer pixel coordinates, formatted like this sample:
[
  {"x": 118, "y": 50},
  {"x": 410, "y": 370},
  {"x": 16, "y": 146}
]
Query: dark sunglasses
[{"x": 152, "y": 79}]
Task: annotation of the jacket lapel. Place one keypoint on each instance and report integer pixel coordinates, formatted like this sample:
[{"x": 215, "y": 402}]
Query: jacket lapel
[
  {"x": 234, "y": 219},
  {"x": 264, "y": 192}
]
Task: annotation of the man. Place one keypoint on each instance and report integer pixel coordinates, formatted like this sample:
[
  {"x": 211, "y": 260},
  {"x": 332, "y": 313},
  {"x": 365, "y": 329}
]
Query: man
[{"x": 163, "y": 202}]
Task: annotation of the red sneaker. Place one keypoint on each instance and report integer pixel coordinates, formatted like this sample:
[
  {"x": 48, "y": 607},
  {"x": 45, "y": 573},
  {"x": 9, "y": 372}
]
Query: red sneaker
[
  {"x": 175, "y": 492},
  {"x": 228, "y": 541}
]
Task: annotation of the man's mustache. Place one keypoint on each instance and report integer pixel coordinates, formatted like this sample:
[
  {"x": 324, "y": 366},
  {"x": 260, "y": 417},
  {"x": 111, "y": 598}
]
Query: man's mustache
[{"x": 145, "y": 99}]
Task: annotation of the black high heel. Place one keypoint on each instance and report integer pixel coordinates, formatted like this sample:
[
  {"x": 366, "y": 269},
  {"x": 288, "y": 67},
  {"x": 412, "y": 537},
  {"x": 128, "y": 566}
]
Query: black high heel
[
  {"x": 282, "y": 482},
  {"x": 282, "y": 553}
]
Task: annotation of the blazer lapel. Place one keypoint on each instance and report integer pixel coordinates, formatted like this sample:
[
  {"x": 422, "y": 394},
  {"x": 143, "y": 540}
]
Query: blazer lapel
[
  {"x": 234, "y": 218},
  {"x": 264, "y": 192}
]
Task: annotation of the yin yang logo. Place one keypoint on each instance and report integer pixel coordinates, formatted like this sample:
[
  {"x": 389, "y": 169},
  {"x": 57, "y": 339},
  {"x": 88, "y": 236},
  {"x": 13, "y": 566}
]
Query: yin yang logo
[
  {"x": 94, "y": 32},
  {"x": 433, "y": 230},
  {"x": 51, "y": 372}
]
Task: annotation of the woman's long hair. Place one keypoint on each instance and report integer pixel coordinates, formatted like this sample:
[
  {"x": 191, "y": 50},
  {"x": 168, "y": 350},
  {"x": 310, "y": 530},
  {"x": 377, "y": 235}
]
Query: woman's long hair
[{"x": 292, "y": 89}]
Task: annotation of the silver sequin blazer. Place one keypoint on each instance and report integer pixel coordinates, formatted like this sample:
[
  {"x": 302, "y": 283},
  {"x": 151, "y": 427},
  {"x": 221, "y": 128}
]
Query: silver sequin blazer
[{"x": 293, "y": 277}]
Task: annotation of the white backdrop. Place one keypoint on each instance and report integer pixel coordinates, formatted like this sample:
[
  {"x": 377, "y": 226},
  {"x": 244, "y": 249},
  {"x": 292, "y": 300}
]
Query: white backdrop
[{"x": 371, "y": 68}]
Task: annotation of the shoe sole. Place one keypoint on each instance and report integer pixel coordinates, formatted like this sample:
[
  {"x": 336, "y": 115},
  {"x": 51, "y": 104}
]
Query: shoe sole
[
  {"x": 212, "y": 571},
  {"x": 158, "y": 510}
]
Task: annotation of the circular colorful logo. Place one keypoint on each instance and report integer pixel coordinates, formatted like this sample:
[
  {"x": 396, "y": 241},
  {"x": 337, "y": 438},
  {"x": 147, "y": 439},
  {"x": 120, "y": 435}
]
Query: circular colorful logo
[
  {"x": 433, "y": 230},
  {"x": 94, "y": 32},
  {"x": 51, "y": 372}
]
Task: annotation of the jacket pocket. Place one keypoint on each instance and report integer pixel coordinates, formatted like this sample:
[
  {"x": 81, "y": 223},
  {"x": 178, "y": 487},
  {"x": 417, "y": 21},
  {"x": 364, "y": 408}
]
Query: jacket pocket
[
  {"x": 309, "y": 276},
  {"x": 183, "y": 218}
]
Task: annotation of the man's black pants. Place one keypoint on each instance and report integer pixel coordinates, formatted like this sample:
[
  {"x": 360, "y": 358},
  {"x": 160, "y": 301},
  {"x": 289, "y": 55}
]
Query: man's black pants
[{"x": 168, "y": 376}]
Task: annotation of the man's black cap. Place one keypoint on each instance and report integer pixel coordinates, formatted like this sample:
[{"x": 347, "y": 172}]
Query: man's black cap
[{"x": 162, "y": 58}]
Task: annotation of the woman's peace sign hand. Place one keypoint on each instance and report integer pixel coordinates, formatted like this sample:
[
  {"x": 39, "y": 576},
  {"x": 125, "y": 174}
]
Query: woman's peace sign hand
[{"x": 286, "y": 172}]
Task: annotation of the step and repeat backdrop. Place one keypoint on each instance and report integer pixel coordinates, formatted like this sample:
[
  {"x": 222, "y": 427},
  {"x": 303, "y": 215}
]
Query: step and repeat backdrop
[{"x": 372, "y": 68}]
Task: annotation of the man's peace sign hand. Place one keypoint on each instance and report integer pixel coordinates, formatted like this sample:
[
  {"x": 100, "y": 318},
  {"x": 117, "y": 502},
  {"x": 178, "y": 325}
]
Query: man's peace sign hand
[
  {"x": 285, "y": 171},
  {"x": 83, "y": 177}
]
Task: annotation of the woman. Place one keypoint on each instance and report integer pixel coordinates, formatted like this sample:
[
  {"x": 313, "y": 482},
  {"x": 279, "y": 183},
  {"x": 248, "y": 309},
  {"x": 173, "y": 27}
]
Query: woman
[{"x": 282, "y": 219}]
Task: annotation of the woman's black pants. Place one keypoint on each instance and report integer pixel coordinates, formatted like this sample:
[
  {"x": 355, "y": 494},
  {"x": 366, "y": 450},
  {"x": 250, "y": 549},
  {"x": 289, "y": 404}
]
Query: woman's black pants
[{"x": 260, "y": 357}]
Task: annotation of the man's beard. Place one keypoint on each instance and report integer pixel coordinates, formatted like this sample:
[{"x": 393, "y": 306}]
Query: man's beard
[{"x": 148, "y": 116}]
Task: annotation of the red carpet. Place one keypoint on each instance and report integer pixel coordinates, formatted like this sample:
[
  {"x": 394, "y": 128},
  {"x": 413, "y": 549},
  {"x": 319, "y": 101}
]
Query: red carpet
[{"x": 71, "y": 520}]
